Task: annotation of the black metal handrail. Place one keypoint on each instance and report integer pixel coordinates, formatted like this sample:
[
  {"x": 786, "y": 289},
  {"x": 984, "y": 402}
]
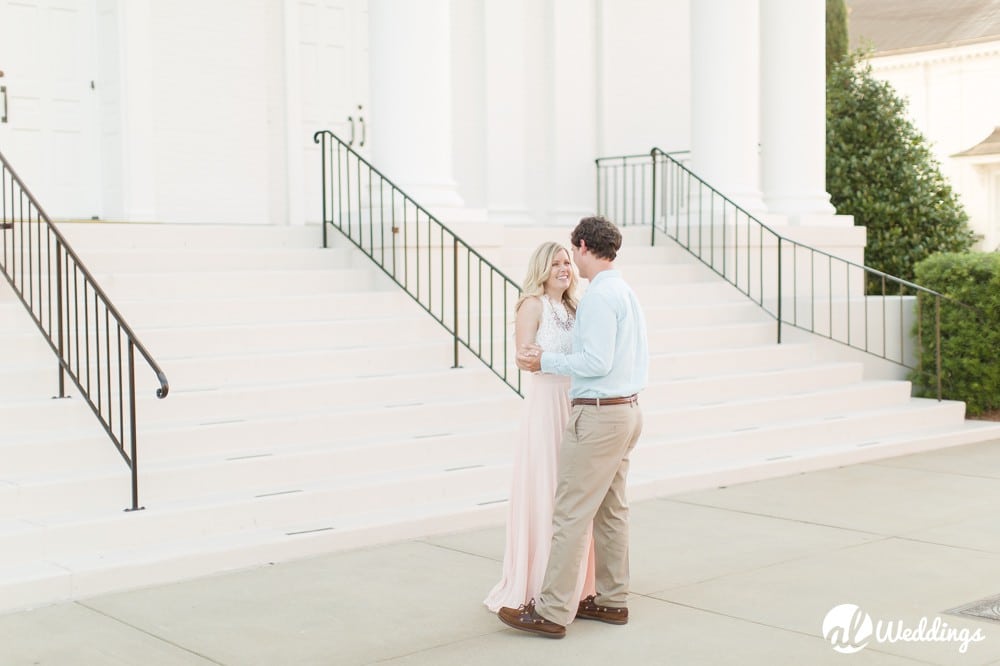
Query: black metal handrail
[
  {"x": 94, "y": 345},
  {"x": 463, "y": 291},
  {"x": 625, "y": 186},
  {"x": 826, "y": 295}
]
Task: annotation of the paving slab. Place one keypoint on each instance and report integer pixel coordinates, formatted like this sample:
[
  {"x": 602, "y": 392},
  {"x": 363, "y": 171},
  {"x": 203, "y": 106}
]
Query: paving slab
[
  {"x": 982, "y": 460},
  {"x": 879, "y": 499},
  {"x": 893, "y": 579},
  {"x": 76, "y": 634},
  {"x": 349, "y": 608}
]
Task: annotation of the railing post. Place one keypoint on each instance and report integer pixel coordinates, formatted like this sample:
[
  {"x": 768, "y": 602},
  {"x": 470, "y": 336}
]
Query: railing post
[
  {"x": 597, "y": 169},
  {"x": 652, "y": 208},
  {"x": 454, "y": 291},
  {"x": 322, "y": 155},
  {"x": 59, "y": 319},
  {"x": 134, "y": 462},
  {"x": 779, "y": 288},
  {"x": 937, "y": 338}
]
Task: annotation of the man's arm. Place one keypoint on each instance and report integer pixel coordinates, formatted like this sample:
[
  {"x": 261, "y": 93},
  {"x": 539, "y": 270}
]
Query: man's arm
[{"x": 597, "y": 330}]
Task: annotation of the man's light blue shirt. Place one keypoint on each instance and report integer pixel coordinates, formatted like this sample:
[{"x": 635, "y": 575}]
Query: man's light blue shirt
[{"x": 610, "y": 356}]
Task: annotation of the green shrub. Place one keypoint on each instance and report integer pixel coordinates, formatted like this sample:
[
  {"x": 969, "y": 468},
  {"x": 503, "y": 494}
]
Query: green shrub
[
  {"x": 880, "y": 170},
  {"x": 970, "y": 336}
]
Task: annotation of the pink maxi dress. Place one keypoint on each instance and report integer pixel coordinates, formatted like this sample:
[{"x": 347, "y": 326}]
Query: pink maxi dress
[{"x": 536, "y": 465}]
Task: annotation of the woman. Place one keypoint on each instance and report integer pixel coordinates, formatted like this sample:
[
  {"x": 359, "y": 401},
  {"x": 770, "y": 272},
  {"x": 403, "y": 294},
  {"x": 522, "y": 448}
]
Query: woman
[{"x": 545, "y": 315}]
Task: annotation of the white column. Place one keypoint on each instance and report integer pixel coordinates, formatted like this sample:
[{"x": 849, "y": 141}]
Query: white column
[
  {"x": 793, "y": 108},
  {"x": 574, "y": 109},
  {"x": 507, "y": 117},
  {"x": 410, "y": 51},
  {"x": 294, "y": 127},
  {"x": 468, "y": 84},
  {"x": 137, "y": 112},
  {"x": 725, "y": 96}
]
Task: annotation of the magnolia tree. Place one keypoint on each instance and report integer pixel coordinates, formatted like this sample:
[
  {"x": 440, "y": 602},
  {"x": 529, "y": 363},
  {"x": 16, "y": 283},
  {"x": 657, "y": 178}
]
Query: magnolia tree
[{"x": 880, "y": 169}]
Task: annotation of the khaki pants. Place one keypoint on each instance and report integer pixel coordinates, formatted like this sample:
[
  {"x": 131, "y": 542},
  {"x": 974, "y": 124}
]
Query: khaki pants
[{"x": 593, "y": 465}]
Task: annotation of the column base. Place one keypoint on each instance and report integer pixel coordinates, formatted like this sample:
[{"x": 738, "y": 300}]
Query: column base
[
  {"x": 512, "y": 216},
  {"x": 844, "y": 241},
  {"x": 814, "y": 209}
]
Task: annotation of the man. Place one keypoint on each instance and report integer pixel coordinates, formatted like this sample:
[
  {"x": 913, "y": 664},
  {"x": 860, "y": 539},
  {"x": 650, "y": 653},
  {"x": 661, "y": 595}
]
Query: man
[{"x": 608, "y": 367}]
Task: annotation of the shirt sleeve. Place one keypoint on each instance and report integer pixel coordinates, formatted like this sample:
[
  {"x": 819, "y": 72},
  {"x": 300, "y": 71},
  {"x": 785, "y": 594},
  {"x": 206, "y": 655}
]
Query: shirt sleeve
[{"x": 594, "y": 342}]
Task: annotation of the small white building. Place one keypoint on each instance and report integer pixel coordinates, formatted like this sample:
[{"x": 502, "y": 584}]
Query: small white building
[{"x": 944, "y": 58}]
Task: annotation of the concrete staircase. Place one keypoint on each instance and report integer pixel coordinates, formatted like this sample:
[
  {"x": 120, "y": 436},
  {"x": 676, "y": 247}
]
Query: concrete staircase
[{"x": 313, "y": 407}]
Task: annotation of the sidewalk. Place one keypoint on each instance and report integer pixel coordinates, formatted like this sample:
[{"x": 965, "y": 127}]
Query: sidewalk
[{"x": 741, "y": 575}]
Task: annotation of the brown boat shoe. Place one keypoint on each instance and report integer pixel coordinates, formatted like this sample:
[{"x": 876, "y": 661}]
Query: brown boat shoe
[
  {"x": 588, "y": 610},
  {"x": 525, "y": 618}
]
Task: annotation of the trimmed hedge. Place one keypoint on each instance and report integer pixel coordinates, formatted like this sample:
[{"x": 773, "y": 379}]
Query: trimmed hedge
[{"x": 970, "y": 339}]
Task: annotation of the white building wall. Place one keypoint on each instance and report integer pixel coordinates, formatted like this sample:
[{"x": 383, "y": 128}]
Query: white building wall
[
  {"x": 644, "y": 92},
  {"x": 203, "y": 101},
  {"x": 954, "y": 100},
  {"x": 214, "y": 112}
]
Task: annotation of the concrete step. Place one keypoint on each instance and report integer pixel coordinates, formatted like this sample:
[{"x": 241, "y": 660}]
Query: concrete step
[
  {"x": 700, "y": 314},
  {"x": 776, "y": 440},
  {"x": 673, "y": 476},
  {"x": 673, "y": 364},
  {"x": 277, "y": 397},
  {"x": 193, "y": 372},
  {"x": 26, "y": 417},
  {"x": 195, "y": 309},
  {"x": 737, "y": 415},
  {"x": 531, "y": 236},
  {"x": 82, "y": 458},
  {"x": 209, "y": 260},
  {"x": 693, "y": 293},
  {"x": 722, "y": 389},
  {"x": 192, "y": 341},
  {"x": 14, "y": 318},
  {"x": 725, "y": 336},
  {"x": 109, "y": 235},
  {"x": 155, "y": 286}
]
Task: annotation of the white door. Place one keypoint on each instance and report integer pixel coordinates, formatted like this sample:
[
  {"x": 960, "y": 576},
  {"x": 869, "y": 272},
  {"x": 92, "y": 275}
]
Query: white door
[
  {"x": 48, "y": 108},
  {"x": 333, "y": 53}
]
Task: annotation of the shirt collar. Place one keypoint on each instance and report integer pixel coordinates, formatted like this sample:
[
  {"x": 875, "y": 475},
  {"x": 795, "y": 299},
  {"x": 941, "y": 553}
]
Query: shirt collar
[{"x": 609, "y": 273}]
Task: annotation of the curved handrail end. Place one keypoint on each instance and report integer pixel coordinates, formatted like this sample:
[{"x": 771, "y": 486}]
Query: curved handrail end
[{"x": 164, "y": 389}]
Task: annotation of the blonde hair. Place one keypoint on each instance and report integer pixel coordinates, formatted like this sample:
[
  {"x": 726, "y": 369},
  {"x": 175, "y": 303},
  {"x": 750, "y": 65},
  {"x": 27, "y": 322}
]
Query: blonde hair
[{"x": 539, "y": 269}]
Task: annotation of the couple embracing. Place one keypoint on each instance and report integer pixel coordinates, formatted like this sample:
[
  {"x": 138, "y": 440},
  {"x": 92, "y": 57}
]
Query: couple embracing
[{"x": 566, "y": 555}]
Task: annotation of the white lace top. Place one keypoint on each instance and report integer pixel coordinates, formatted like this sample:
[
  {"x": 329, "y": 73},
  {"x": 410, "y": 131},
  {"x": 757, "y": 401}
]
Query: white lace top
[{"x": 555, "y": 330}]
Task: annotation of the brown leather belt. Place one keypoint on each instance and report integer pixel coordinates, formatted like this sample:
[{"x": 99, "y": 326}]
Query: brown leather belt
[{"x": 627, "y": 400}]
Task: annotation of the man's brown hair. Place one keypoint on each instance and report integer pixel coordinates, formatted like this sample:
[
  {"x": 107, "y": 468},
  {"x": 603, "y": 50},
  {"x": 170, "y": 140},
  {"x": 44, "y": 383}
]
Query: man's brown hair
[{"x": 601, "y": 236}]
